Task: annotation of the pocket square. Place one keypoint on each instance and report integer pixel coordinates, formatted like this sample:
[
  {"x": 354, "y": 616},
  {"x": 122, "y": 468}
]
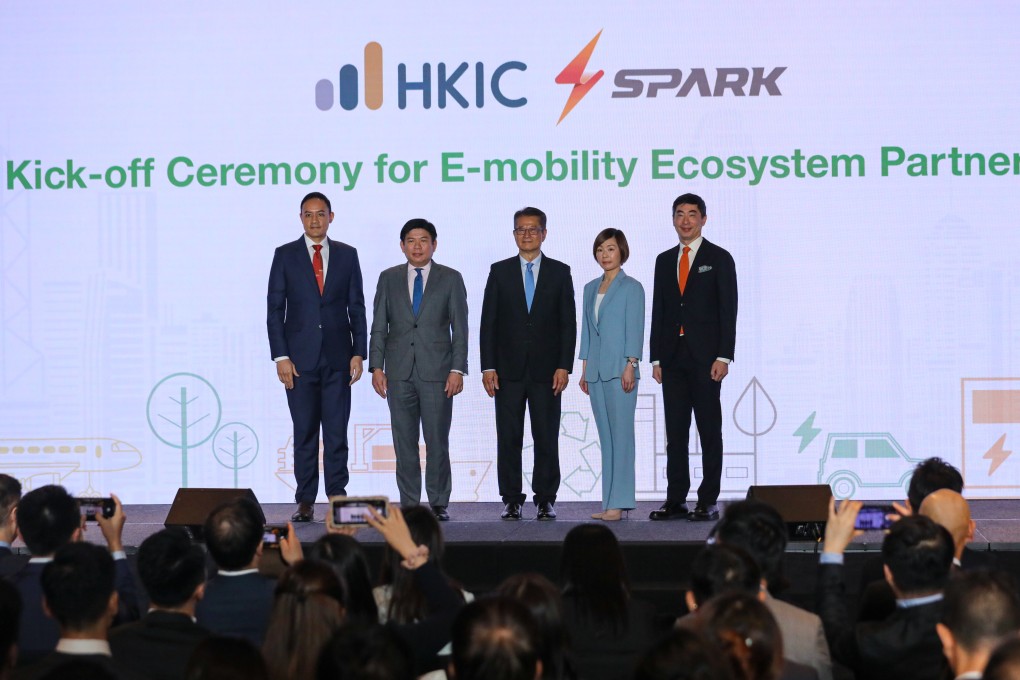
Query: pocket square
[{"x": 704, "y": 268}]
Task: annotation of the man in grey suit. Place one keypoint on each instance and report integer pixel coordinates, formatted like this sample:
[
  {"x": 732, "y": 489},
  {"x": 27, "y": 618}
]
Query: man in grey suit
[{"x": 418, "y": 359}]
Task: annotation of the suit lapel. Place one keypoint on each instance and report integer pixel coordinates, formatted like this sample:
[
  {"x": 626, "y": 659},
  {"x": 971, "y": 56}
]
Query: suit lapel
[
  {"x": 701, "y": 256},
  {"x": 614, "y": 286},
  {"x": 304, "y": 263},
  {"x": 590, "y": 296},
  {"x": 332, "y": 269},
  {"x": 517, "y": 283},
  {"x": 541, "y": 284},
  {"x": 435, "y": 276}
]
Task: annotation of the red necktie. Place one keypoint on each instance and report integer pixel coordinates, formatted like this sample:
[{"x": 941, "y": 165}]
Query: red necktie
[
  {"x": 683, "y": 270},
  {"x": 317, "y": 266}
]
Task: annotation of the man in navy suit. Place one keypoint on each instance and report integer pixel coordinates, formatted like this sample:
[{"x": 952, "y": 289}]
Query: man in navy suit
[
  {"x": 318, "y": 338},
  {"x": 694, "y": 325}
]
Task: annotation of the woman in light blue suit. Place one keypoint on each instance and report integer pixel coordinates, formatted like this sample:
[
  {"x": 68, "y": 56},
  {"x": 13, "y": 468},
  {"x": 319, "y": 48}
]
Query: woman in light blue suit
[{"x": 612, "y": 333}]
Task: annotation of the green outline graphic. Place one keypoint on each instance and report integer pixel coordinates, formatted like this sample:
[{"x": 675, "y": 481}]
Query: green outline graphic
[
  {"x": 231, "y": 447},
  {"x": 184, "y": 425}
]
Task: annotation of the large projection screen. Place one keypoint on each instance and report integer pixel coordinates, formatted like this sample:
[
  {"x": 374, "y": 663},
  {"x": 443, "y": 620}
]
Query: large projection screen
[{"x": 859, "y": 160}]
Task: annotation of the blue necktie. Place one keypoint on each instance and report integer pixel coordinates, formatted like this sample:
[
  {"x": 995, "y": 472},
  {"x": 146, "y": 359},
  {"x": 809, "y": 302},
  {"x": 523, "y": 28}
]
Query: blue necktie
[
  {"x": 529, "y": 285},
  {"x": 419, "y": 290}
]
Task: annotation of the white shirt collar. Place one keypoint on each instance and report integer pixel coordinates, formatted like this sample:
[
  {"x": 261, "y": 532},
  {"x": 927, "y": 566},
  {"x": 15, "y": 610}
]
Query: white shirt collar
[
  {"x": 67, "y": 646},
  {"x": 242, "y": 572},
  {"x": 309, "y": 243}
]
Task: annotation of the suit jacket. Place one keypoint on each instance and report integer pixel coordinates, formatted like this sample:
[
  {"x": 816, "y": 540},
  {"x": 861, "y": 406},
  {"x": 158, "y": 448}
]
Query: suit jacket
[
  {"x": 803, "y": 636},
  {"x": 903, "y": 646},
  {"x": 238, "y": 606},
  {"x": 159, "y": 646},
  {"x": 619, "y": 331},
  {"x": 54, "y": 660},
  {"x": 528, "y": 346},
  {"x": 601, "y": 654},
  {"x": 707, "y": 310},
  {"x": 436, "y": 341},
  {"x": 301, "y": 322}
]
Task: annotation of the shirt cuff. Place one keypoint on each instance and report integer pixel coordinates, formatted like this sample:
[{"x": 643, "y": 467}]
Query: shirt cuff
[
  {"x": 279, "y": 359},
  {"x": 830, "y": 558},
  {"x": 655, "y": 363},
  {"x": 119, "y": 555},
  {"x": 724, "y": 360},
  {"x": 454, "y": 370}
]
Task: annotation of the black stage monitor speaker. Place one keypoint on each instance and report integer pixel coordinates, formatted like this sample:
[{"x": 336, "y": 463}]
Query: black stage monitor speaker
[
  {"x": 191, "y": 507},
  {"x": 804, "y": 507}
]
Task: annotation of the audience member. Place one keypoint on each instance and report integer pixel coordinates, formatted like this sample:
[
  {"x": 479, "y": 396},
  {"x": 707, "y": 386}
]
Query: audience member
[
  {"x": 226, "y": 658},
  {"x": 10, "y": 613},
  {"x": 722, "y": 568},
  {"x": 307, "y": 610},
  {"x": 607, "y": 628},
  {"x": 78, "y": 592},
  {"x": 683, "y": 654},
  {"x": 747, "y": 633},
  {"x": 172, "y": 569},
  {"x": 49, "y": 518},
  {"x": 10, "y": 494},
  {"x": 1004, "y": 664},
  {"x": 931, "y": 475},
  {"x": 981, "y": 609},
  {"x": 759, "y": 530},
  {"x": 918, "y": 554},
  {"x": 347, "y": 558},
  {"x": 544, "y": 602},
  {"x": 360, "y": 651},
  {"x": 495, "y": 639}
]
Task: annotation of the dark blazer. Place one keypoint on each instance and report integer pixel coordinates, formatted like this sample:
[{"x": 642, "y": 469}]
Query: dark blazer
[
  {"x": 158, "y": 646},
  {"x": 602, "y": 654},
  {"x": 903, "y": 646},
  {"x": 302, "y": 322},
  {"x": 54, "y": 660},
  {"x": 528, "y": 346},
  {"x": 707, "y": 310},
  {"x": 238, "y": 606}
]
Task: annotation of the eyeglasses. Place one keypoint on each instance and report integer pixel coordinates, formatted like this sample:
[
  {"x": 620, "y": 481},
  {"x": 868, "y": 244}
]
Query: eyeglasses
[{"x": 528, "y": 231}]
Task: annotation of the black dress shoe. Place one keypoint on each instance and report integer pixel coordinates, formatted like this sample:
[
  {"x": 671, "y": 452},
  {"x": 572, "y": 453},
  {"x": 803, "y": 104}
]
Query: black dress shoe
[
  {"x": 440, "y": 512},
  {"x": 305, "y": 513},
  {"x": 669, "y": 511},
  {"x": 546, "y": 511},
  {"x": 511, "y": 511},
  {"x": 704, "y": 513}
]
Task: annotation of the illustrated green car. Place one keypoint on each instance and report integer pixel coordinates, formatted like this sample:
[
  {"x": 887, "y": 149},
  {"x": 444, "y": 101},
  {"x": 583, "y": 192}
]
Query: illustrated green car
[{"x": 855, "y": 460}]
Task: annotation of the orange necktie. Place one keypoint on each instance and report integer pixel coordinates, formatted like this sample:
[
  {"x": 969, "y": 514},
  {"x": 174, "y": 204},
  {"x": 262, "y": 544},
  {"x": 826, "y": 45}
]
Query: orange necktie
[
  {"x": 317, "y": 266},
  {"x": 685, "y": 269}
]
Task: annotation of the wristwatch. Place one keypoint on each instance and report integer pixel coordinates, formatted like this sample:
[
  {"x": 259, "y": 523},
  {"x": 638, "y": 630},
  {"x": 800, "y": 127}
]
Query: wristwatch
[{"x": 633, "y": 364}]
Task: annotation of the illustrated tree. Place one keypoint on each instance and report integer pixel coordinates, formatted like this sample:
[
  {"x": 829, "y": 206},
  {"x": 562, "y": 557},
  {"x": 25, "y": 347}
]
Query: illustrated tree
[
  {"x": 184, "y": 411},
  {"x": 235, "y": 447}
]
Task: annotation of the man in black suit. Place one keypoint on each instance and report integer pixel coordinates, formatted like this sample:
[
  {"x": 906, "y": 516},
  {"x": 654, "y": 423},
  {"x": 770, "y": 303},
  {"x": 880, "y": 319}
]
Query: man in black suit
[
  {"x": 694, "y": 325},
  {"x": 918, "y": 555},
  {"x": 172, "y": 570},
  {"x": 318, "y": 337},
  {"x": 238, "y": 599},
  {"x": 528, "y": 332},
  {"x": 982, "y": 608},
  {"x": 10, "y": 494}
]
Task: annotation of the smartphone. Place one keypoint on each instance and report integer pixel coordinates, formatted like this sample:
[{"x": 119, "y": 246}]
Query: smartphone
[
  {"x": 874, "y": 518},
  {"x": 94, "y": 507},
  {"x": 271, "y": 535},
  {"x": 353, "y": 511}
]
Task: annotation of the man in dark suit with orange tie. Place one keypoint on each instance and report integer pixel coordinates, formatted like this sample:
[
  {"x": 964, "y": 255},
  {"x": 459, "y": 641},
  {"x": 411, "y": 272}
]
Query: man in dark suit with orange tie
[
  {"x": 318, "y": 337},
  {"x": 694, "y": 324},
  {"x": 528, "y": 332}
]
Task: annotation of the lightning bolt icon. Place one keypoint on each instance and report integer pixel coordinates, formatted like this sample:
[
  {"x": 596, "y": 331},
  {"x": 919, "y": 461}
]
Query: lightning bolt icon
[
  {"x": 806, "y": 432},
  {"x": 997, "y": 454},
  {"x": 574, "y": 75}
]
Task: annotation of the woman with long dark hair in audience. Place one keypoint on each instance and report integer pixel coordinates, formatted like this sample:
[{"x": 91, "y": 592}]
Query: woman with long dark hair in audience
[
  {"x": 607, "y": 627},
  {"x": 543, "y": 600},
  {"x": 347, "y": 558},
  {"x": 683, "y": 654},
  {"x": 747, "y": 633}
]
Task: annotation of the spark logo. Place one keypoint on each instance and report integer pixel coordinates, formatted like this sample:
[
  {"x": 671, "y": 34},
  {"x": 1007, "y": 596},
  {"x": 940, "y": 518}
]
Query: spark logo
[
  {"x": 574, "y": 75},
  {"x": 444, "y": 86}
]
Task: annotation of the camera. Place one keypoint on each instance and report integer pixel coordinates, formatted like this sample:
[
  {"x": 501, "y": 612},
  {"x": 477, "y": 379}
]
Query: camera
[
  {"x": 94, "y": 507},
  {"x": 353, "y": 511}
]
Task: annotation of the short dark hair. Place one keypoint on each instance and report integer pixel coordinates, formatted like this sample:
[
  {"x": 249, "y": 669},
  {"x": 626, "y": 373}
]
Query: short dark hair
[
  {"x": 682, "y": 654},
  {"x": 226, "y": 658},
  {"x": 418, "y": 223},
  {"x": 10, "y": 494},
  {"x": 759, "y": 529},
  {"x": 981, "y": 608},
  {"x": 319, "y": 195},
  {"x": 494, "y": 639},
  {"x": 171, "y": 567},
  {"x": 360, "y": 652},
  {"x": 530, "y": 212},
  {"x": 723, "y": 568},
  {"x": 77, "y": 584},
  {"x": 919, "y": 554},
  {"x": 1004, "y": 663},
  {"x": 931, "y": 475},
  {"x": 47, "y": 518},
  {"x": 233, "y": 532},
  {"x": 621, "y": 243},
  {"x": 691, "y": 199}
]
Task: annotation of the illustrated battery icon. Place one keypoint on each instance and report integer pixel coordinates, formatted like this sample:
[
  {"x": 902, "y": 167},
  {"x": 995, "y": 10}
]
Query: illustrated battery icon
[{"x": 991, "y": 424}]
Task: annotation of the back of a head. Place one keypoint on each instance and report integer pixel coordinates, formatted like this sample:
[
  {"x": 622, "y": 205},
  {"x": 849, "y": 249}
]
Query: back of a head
[
  {"x": 949, "y": 509},
  {"x": 683, "y": 654},
  {"x": 47, "y": 519},
  {"x": 365, "y": 652},
  {"x": 1004, "y": 663},
  {"x": 226, "y": 658},
  {"x": 592, "y": 563},
  {"x": 744, "y": 628},
  {"x": 495, "y": 639},
  {"x": 723, "y": 568},
  {"x": 171, "y": 567},
  {"x": 10, "y": 494},
  {"x": 407, "y": 602},
  {"x": 919, "y": 554},
  {"x": 981, "y": 608},
  {"x": 233, "y": 533},
  {"x": 10, "y": 616},
  {"x": 77, "y": 585},
  {"x": 347, "y": 559},
  {"x": 931, "y": 475},
  {"x": 758, "y": 529},
  {"x": 543, "y": 601}
]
